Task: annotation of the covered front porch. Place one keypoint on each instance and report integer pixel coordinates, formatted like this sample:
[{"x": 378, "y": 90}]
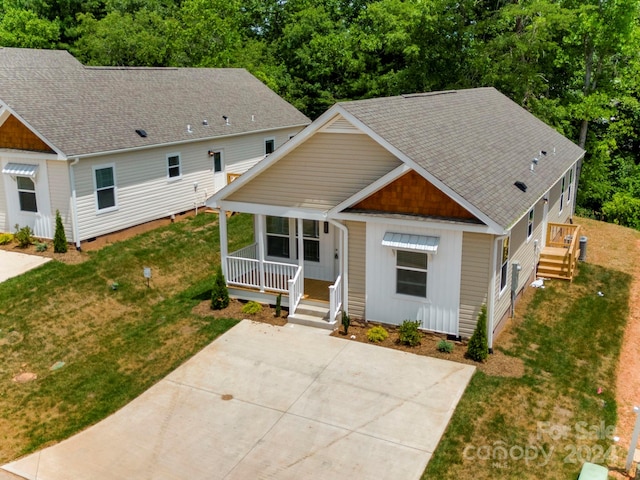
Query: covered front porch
[{"x": 272, "y": 266}]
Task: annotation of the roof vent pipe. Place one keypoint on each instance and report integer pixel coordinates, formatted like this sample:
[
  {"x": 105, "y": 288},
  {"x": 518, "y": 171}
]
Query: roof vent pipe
[{"x": 226, "y": 120}]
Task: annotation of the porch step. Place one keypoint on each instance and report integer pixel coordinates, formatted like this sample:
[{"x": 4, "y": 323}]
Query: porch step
[{"x": 312, "y": 314}]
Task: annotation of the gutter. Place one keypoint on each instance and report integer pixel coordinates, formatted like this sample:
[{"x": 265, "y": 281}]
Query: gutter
[{"x": 75, "y": 228}]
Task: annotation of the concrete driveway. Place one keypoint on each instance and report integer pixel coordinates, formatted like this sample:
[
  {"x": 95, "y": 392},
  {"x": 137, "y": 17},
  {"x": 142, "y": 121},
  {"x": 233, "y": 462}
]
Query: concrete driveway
[
  {"x": 13, "y": 264},
  {"x": 271, "y": 402}
]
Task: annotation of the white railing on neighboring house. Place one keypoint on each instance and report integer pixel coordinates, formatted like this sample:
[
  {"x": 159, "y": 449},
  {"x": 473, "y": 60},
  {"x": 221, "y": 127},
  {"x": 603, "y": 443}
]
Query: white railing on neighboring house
[
  {"x": 335, "y": 299},
  {"x": 295, "y": 291}
]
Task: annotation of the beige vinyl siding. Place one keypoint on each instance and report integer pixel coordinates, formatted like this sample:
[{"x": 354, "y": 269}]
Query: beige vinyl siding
[
  {"x": 475, "y": 279},
  {"x": 320, "y": 173},
  {"x": 60, "y": 194},
  {"x": 555, "y": 215},
  {"x": 357, "y": 269},
  {"x": 143, "y": 190}
]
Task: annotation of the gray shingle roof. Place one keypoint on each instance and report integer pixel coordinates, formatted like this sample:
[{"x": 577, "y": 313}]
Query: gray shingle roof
[
  {"x": 477, "y": 142},
  {"x": 83, "y": 110}
]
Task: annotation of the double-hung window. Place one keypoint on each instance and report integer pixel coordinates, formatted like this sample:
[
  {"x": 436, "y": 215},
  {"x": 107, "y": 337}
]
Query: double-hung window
[
  {"x": 562, "y": 187},
  {"x": 504, "y": 263},
  {"x": 411, "y": 273},
  {"x": 278, "y": 237},
  {"x": 570, "y": 185},
  {"x": 311, "y": 240},
  {"x": 105, "y": 187},
  {"x": 27, "y": 194},
  {"x": 174, "y": 169},
  {"x": 530, "y": 225}
]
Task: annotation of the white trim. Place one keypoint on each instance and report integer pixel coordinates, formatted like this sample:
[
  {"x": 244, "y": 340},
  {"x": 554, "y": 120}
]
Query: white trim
[
  {"x": 492, "y": 293},
  {"x": 506, "y": 262},
  {"x": 272, "y": 210},
  {"x": 176, "y": 177},
  {"x": 371, "y": 189},
  {"x": 75, "y": 227},
  {"x": 95, "y": 188},
  {"x": 531, "y": 221}
]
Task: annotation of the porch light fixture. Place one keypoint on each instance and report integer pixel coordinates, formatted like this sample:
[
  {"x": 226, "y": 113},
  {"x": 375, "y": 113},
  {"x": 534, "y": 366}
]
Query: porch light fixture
[{"x": 211, "y": 153}]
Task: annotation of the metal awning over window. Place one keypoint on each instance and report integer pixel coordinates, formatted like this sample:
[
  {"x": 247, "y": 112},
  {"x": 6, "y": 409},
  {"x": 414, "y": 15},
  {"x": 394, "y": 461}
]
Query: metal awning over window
[
  {"x": 422, "y": 243},
  {"x": 20, "y": 170}
]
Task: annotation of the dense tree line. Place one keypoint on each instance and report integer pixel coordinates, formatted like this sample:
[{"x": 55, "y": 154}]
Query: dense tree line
[{"x": 573, "y": 63}]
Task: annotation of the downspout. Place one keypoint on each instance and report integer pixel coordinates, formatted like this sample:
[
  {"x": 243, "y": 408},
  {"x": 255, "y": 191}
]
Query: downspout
[
  {"x": 492, "y": 294},
  {"x": 75, "y": 228},
  {"x": 345, "y": 263}
]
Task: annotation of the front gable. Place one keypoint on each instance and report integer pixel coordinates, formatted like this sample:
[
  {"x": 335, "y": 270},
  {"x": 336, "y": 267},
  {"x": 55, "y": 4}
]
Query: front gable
[
  {"x": 15, "y": 135},
  {"x": 412, "y": 194}
]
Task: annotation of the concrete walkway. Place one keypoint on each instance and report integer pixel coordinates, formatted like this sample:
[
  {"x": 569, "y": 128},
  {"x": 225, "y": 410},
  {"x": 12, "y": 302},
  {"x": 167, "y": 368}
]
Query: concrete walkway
[
  {"x": 13, "y": 264},
  {"x": 271, "y": 402}
]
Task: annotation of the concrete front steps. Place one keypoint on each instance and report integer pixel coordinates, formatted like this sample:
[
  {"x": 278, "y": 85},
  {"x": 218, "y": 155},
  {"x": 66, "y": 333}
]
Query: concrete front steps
[{"x": 312, "y": 314}]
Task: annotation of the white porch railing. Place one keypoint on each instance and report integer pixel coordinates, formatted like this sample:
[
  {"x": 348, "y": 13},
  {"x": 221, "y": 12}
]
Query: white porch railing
[
  {"x": 295, "y": 291},
  {"x": 250, "y": 251},
  {"x": 335, "y": 299}
]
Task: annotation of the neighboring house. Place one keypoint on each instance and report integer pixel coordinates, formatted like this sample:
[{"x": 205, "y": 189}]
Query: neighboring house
[
  {"x": 113, "y": 147},
  {"x": 408, "y": 208}
]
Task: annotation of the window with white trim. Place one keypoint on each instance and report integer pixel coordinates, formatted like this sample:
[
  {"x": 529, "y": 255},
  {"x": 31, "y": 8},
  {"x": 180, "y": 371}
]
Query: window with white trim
[
  {"x": 311, "y": 240},
  {"x": 105, "y": 187},
  {"x": 411, "y": 273},
  {"x": 562, "y": 187},
  {"x": 174, "y": 169},
  {"x": 217, "y": 162},
  {"x": 269, "y": 145},
  {"x": 278, "y": 237},
  {"x": 504, "y": 262},
  {"x": 530, "y": 224},
  {"x": 570, "y": 185},
  {"x": 27, "y": 194}
]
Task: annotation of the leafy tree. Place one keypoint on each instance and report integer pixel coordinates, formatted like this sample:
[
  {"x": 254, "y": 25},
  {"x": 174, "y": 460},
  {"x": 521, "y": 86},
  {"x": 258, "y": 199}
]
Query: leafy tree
[
  {"x": 59, "y": 237},
  {"x": 24, "y": 29}
]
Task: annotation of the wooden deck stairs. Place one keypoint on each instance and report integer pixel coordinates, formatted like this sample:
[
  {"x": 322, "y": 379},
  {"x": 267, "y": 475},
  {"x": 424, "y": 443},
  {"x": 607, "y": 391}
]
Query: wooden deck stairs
[{"x": 559, "y": 259}]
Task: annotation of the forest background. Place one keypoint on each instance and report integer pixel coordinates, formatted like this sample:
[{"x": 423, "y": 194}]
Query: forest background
[{"x": 575, "y": 64}]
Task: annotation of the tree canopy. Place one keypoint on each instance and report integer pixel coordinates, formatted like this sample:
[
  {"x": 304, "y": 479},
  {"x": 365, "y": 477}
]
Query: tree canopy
[{"x": 572, "y": 63}]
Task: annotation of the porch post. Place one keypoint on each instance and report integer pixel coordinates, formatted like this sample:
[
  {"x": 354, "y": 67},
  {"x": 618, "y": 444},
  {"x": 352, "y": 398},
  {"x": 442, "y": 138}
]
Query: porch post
[
  {"x": 260, "y": 241},
  {"x": 300, "y": 249},
  {"x": 224, "y": 249}
]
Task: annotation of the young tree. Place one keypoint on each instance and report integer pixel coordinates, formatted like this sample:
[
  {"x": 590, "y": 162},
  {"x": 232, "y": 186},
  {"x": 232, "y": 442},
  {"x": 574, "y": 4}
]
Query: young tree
[
  {"x": 219, "y": 293},
  {"x": 478, "y": 348},
  {"x": 59, "y": 237}
]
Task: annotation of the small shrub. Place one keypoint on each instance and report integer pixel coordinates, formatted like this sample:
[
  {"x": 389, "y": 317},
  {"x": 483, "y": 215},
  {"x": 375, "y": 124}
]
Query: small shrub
[
  {"x": 219, "y": 293},
  {"x": 24, "y": 236},
  {"x": 377, "y": 334},
  {"x": 445, "y": 346},
  {"x": 409, "y": 333},
  {"x": 251, "y": 308},
  {"x": 278, "y": 305},
  {"x": 41, "y": 246},
  {"x": 346, "y": 321},
  {"x": 6, "y": 238},
  {"x": 478, "y": 348},
  {"x": 59, "y": 237}
]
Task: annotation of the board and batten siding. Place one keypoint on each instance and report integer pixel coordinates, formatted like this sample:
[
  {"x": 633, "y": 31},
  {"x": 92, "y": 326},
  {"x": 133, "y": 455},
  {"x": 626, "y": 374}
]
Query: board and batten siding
[
  {"x": 143, "y": 190},
  {"x": 439, "y": 312},
  {"x": 60, "y": 193},
  {"x": 475, "y": 278},
  {"x": 357, "y": 269},
  {"x": 320, "y": 173}
]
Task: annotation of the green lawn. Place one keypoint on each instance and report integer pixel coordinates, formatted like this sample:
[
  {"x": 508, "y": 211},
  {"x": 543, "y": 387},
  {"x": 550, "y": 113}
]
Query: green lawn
[
  {"x": 546, "y": 423},
  {"x": 115, "y": 343}
]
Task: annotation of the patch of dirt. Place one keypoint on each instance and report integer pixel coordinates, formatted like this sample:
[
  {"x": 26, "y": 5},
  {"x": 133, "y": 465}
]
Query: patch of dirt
[
  {"x": 498, "y": 364},
  {"x": 25, "y": 377},
  {"x": 234, "y": 310}
]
